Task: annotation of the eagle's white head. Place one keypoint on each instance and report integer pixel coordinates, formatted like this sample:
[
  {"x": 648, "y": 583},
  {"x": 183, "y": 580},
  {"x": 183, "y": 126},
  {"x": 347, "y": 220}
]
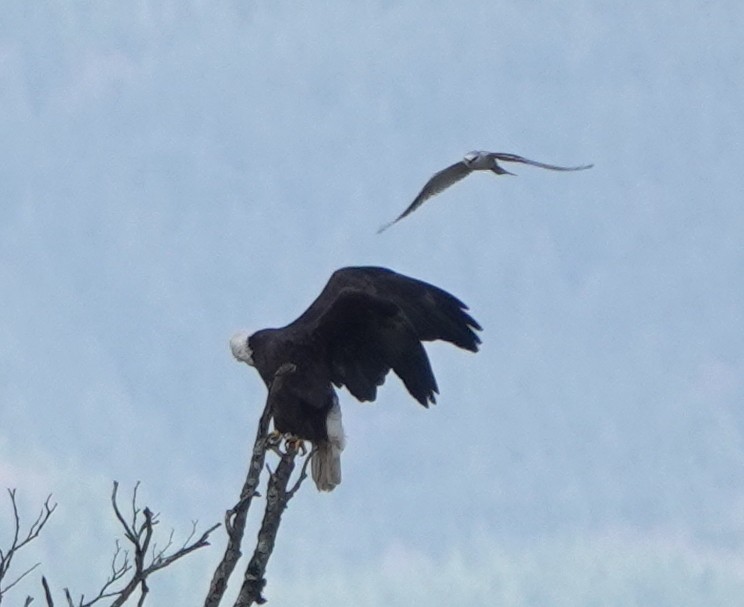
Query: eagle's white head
[{"x": 240, "y": 348}]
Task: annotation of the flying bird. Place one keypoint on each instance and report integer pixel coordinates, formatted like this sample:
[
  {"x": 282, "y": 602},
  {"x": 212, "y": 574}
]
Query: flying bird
[
  {"x": 366, "y": 322},
  {"x": 473, "y": 161}
]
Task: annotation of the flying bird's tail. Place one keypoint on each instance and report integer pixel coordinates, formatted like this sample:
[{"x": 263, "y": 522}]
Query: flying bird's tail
[
  {"x": 326, "y": 463},
  {"x": 499, "y": 170}
]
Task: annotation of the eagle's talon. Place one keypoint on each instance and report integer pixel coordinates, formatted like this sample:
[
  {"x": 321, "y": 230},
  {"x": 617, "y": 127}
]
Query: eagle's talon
[
  {"x": 273, "y": 438},
  {"x": 282, "y": 443},
  {"x": 295, "y": 443}
]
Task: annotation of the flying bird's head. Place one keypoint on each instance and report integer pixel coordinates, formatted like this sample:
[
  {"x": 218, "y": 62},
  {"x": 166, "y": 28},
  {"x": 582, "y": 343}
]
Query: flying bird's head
[
  {"x": 240, "y": 348},
  {"x": 471, "y": 157}
]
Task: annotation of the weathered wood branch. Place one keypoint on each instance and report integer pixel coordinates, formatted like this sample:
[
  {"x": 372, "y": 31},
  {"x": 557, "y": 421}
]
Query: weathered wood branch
[
  {"x": 278, "y": 495},
  {"x": 236, "y": 517}
]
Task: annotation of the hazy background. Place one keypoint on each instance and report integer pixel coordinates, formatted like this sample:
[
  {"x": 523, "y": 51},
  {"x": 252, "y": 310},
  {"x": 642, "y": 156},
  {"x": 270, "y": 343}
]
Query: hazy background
[{"x": 172, "y": 171}]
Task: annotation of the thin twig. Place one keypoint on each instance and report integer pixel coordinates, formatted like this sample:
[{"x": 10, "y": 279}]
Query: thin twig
[
  {"x": 135, "y": 510},
  {"x": 20, "y": 577},
  {"x": 302, "y": 476},
  {"x": 47, "y": 592},
  {"x": 141, "y": 541},
  {"x": 139, "y": 532},
  {"x": 20, "y": 540},
  {"x": 128, "y": 533}
]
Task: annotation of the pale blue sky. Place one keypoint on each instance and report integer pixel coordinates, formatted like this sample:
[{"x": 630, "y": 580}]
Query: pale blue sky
[{"x": 174, "y": 171}]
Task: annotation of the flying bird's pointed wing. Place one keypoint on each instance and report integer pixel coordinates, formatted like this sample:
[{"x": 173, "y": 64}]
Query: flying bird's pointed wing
[
  {"x": 438, "y": 183},
  {"x": 542, "y": 165}
]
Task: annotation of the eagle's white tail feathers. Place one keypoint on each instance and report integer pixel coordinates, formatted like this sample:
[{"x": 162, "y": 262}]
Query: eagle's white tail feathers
[
  {"x": 326, "y": 463},
  {"x": 326, "y": 466}
]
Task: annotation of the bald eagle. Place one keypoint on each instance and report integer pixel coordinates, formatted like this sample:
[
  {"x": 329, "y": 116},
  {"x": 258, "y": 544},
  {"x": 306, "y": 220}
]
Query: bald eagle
[{"x": 366, "y": 322}]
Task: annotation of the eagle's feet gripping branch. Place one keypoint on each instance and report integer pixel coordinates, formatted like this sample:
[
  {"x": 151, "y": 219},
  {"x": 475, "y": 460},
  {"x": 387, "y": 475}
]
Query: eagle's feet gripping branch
[{"x": 292, "y": 443}]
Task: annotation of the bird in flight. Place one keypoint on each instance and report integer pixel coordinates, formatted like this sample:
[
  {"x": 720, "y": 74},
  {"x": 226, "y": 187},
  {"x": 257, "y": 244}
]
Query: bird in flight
[
  {"x": 473, "y": 161},
  {"x": 366, "y": 322}
]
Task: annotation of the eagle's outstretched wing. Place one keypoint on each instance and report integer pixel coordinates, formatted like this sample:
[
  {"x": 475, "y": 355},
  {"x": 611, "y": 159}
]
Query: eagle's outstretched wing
[
  {"x": 370, "y": 320},
  {"x": 434, "y": 313},
  {"x": 364, "y": 338}
]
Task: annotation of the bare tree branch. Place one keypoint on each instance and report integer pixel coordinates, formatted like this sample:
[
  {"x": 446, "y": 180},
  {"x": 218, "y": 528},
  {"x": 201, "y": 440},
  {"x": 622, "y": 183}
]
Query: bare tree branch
[
  {"x": 128, "y": 532},
  {"x": 20, "y": 540},
  {"x": 133, "y": 567},
  {"x": 301, "y": 477},
  {"x": 47, "y": 592},
  {"x": 236, "y": 517},
  {"x": 20, "y": 577},
  {"x": 134, "y": 572},
  {"x": 277, "y": 497}
]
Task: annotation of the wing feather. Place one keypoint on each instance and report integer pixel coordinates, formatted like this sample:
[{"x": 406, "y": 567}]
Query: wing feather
[
  {"x": 434, "y": 313},
  {"x": 364, "y": 338}
]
